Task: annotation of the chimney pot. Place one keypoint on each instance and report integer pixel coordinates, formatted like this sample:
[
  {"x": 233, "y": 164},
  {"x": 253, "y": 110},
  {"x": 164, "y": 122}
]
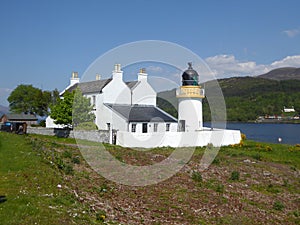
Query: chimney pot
[{"x": 98, "y": 76}]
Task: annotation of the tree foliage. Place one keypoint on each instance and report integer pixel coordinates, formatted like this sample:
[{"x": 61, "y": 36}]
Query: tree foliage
[
  {"x": 30, "y": 100},
  {"x": 247, "y": 98},
  {"x": 61, "y": 112},
  {"x": 72, "y": 109},
  {"x": 82, "y": 109}
]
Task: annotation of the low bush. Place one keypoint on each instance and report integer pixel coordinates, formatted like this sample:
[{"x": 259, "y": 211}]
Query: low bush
[
  {"x": 196, "y": 176},
  {"x": 235, "y": 175},
  {"x": 278, "y": 206}
]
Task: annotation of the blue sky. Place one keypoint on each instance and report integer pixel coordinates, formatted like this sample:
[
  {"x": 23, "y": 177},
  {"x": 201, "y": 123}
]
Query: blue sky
[{"x": 42, "y": 42}]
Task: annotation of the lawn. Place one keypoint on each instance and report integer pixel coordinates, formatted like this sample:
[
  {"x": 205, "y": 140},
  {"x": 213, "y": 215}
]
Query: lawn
[{"x": 45, "y": 180}]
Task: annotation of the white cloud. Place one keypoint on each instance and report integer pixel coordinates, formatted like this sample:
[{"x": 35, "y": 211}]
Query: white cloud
[
  {"x": 227, "y": 66},
  {"x": 289, "y": 61},
  {"x": 292, "y": 32}
]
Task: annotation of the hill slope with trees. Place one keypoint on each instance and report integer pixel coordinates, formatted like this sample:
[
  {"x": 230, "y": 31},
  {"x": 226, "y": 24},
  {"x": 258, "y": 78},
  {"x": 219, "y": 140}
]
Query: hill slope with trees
[
  {"x": 285, "y": 73},
  {"x": 246, "y": 97}
]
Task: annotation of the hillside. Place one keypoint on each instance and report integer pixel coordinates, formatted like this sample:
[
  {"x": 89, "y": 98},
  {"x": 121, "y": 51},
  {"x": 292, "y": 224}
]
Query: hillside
[
  {"x": 247, "y": 97},
  {"x": 4, "y": 109},
  {"x": 45, "y": 180},
  {"x": 285, "y": 73}
]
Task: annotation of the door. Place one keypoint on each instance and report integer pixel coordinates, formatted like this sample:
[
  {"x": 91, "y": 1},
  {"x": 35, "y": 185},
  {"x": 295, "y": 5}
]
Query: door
[
  {"x": 181, "y": 126},
  {"x": 145, "y": 127}
]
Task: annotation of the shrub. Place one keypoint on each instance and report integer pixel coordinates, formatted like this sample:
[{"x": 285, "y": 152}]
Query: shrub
[
  {"x": 220, "y": 188},
  {"x": 278, "y": 206},
  {"x": 268, "y": 148},
  {"x": 196, "y": 176},
  {"x": 257, "y": 157},
  {"x": 100, "y": 216},
  {"x": 67, "y": 154},
  {"x": 243, "y": 136},
  {"x": 216, "y": 161},
  {"x": 76, "y": 160},
  {"x": 42, "y": 123},
  {"x": 235, "y": 175},
  {"x": 296, "y": 213},
  {"x": 68, "y": 169}
]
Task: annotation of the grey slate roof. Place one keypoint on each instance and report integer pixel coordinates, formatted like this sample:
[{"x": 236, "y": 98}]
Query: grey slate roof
[
  {"x": 91, "y": 86},
  {"x": 141, "y": 113},
  {"x": 20, "y": 117},
  {"x": 97, "y": 86},
  {"x": 131, "y": 84}
]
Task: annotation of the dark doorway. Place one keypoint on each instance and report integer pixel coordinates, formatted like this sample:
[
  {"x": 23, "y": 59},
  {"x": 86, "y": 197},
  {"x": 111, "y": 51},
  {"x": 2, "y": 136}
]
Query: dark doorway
[
  {"x": 145, "y": 127},
  {"x": 181, "y": 126},
  {"x": 114, "y": 136}
]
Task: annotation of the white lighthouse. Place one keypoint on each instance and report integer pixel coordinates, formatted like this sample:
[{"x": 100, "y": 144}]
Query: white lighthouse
[{"x": 190, "y": 95}]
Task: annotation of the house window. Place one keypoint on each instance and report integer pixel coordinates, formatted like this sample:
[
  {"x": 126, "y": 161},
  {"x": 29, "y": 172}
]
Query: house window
[
  {"x": 145, "y": 127},
  {"x": 155, "y": 127},
  {"x": 108, "y": 126},
  {"x": 167, "y": 127},
  {"x": 93, "y": 100},
  {"x": 133, "y": 127}
]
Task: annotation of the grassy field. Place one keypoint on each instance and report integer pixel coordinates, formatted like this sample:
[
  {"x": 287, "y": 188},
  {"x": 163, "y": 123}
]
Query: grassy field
[{"x": 45, "y": 180}]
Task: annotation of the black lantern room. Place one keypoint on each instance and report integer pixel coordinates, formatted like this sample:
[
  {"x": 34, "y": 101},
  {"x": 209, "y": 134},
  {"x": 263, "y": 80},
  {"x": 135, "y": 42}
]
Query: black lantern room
[{"x": 190, "y": 77}]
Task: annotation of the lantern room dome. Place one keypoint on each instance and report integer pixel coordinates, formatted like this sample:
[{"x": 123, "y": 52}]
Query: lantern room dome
[{"x": 190, "y": 76}]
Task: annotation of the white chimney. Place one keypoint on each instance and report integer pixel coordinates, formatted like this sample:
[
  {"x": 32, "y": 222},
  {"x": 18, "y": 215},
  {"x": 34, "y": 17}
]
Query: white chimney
[
  {"x": 117, "y": 73},
  {"x": 74, "y": 79},
  {"x": 142, "y": 75},
  {"x": 98, "y": 76}
]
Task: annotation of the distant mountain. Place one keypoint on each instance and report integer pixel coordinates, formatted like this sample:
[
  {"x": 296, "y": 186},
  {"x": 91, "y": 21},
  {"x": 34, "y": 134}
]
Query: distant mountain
[
  {"x": 285, "y": 73},
  {"x": 245, "y": 97},
  {"x": 3, "y": 109}
]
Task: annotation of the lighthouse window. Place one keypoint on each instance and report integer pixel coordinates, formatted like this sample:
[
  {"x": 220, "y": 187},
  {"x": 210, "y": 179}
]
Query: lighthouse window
[
  {"x": 155, "y": 127},
  {"x": 167, "y": 127},
  {"x": 133, "y": 127}
]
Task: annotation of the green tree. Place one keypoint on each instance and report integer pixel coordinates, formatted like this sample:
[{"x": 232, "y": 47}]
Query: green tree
[
  {"x": 61, "y": 112},
  {"x": 72, "y": 110},
  {"x": 82, "y": 109},
  {"x": 29, "y": 100}
]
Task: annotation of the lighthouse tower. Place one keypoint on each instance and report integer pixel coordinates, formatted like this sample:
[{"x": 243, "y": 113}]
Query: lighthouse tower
[{"x": 190, "y": 97}]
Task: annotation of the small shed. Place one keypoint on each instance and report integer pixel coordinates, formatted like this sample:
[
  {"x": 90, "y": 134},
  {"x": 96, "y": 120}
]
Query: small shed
[
  {"x": 19, "y": 118},
  {"x": 12, "y": 122}
]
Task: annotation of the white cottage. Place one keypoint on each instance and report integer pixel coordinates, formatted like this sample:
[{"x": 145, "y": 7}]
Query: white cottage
[{"x": 123, "y": 106}]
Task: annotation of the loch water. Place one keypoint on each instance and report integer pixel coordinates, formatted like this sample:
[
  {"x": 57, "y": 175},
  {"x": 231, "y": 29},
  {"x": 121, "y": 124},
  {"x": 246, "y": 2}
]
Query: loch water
[{"x": 266, "y": 132}]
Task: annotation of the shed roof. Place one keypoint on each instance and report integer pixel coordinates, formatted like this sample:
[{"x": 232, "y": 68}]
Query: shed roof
[
  {"x": 141, "y": 113},
  {"x": 20, "y": 117}
]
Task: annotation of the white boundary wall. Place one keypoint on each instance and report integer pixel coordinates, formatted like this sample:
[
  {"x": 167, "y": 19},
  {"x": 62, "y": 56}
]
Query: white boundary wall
[{"x": 217, "y": 137}]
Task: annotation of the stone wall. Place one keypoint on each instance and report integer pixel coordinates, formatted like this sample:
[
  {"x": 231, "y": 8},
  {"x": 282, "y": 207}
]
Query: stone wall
[{"x": 97, "y": 135}]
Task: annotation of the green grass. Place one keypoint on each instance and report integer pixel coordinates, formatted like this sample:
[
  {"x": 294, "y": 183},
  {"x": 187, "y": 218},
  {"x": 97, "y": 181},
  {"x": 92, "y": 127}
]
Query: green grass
[
  {"x": 279, "y": 153},
  {"x": 32, "y": 166},
  {"x": 30, "y": 187}
]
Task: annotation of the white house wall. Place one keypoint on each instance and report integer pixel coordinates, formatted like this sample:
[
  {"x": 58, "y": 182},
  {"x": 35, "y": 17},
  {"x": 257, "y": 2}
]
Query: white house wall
[
  {"x": 116, "y": 92},
  {"x": 179, "y": 139},
  {"x": 143, "y": 94},
  {"x": 50, "y": 123},
  {"x": 161, "y": 127},
  {"x": 105, "y": 115}
]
